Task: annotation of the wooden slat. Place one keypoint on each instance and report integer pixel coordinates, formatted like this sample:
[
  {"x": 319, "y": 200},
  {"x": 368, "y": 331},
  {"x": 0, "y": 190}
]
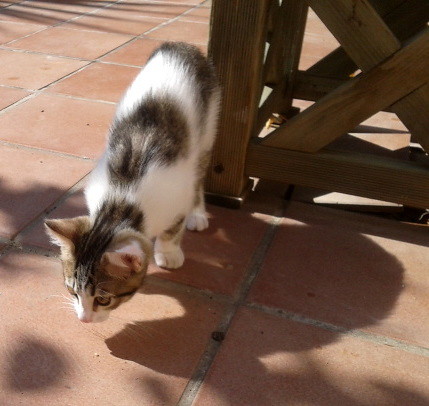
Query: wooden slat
[
  {"x": 408, "y": 19},
  {"x": 237, "y": 41},
  {"x": 413, "y": 111},
  {"x": 404, "y": 18},
  {"x": 312, "y": 87},
  {"x": 382, "y": 7},
  {"x": 357, "y": 174},
  {"x": 282, "y": 60},
  {"x": 273, "y": 73},
  {"x": 286, "y": 42},
  {"x": 355, "y": 25},
  {"x": 356, "y": 100},
  {"x": 359, "y": 29}
]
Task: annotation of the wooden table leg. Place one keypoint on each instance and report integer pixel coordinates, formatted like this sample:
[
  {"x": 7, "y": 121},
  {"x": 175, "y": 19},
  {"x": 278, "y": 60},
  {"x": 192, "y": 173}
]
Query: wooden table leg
[{"x": 237, "y": 44}]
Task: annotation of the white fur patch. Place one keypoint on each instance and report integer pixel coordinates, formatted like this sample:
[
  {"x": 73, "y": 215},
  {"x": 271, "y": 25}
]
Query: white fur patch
[
  {"x": 171, "y": 259},
  {"x": 84, "y": 309},
  {"x": 159, "y": 188},
  {"x": 197, "y": 220},
  {"x": 165, "y": 192},
  {"x": 162, "y": 75},
  {"x": 97, "y": 185},
  {"x": 133, "y": 248}
]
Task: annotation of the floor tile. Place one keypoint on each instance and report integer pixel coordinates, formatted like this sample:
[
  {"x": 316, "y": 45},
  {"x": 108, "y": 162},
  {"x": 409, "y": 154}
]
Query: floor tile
[
  {"x": 42, "y": 13},
  {"x": 143, "y": 355},
  {"x": 134, "y": 53},
  {"x": 33, "y": 71},
  {"x": 265, "y": 360},
  {"x": 36, "y": 236},
  {"x": 318, "y": 42},
  {"x": 98, "y": 81},
  {"x": 195, "y": 33},
  {"x": 351, "y": 270},
  {"x": 200, "y": 14},
  {"x": 10, "y": 95},
  {"x": 217, "y": 258},
  {"x": 191, "y": 2},
  {"x": 70, "y": 6},
  {"x": 158, "y": 9},
  {"x": 138, "y": 52},
  {"x": 30, "y": 182},
  {"x": 73, "y": 43},
  {"x": 58, "y": 123},
  {"x": 116, "y": 20},
  {"x": 10, "y": 30}
]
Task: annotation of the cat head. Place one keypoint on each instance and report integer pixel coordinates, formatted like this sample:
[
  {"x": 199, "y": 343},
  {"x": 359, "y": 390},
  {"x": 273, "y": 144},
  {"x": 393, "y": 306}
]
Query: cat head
[{"x": 101, "y": 271}]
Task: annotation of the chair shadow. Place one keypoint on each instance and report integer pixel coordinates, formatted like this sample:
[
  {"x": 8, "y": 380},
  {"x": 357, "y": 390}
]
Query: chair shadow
[
  {"x": 365, "y": 299},
  {"x": 37, "y": 13},
  {"x": 367, "y": 295}
]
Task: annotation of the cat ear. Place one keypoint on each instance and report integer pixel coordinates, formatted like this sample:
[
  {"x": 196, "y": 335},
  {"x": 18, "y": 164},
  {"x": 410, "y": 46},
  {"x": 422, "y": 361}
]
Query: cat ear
[
  {"x": 121, "y": 265},
  {"x": 65, "y": 232}
]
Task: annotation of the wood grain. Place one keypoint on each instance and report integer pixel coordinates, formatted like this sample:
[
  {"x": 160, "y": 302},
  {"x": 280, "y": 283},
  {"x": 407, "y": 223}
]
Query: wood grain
[
  {"x": 358, "y": 174},
  {"x": 356, "y": 100},
  {"x": 237, "y": 42}
]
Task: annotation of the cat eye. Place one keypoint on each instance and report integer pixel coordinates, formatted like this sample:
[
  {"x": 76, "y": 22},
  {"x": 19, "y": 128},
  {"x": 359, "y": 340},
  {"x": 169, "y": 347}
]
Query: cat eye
[
  {"x": 72, "y": 292},
  {"x": 103, "y": 301}
]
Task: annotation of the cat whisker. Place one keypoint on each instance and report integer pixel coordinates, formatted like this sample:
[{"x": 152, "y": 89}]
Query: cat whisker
[
  {"x": 68, "y": 310},
  {"x": 62, "y": 296},
  {"x": 70, "y": 305},
  {"x": 66, "y": 297}
]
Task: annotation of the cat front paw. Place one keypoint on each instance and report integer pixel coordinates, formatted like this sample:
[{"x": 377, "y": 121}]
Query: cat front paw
[
  {"x": 197, "y": 221},
  {"x": 171, "y": 259}
]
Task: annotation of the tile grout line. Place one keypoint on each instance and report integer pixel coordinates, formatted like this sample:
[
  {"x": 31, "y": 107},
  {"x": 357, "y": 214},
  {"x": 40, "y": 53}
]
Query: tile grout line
[
  {"x": 12, "y": 246},
  {"x": 90, "y": 62},
  {"x": 375, "y": 338},
  {"x": 208, "y": 356},
  {"x": 41, "y": 90},
  {"x": 194, "y": 384},
  {"x": 74, "y": 97},
  {"x": 46, "y": 27},
  {"x": 217, "y": 297},
  {"x": 45, "y": 151},
  {"x": 33, "y": 52},
  {"x": 32, "y": 223},
  {"x": 143, "y": 34},
  {"x": 131, "y": 40},
  {"x": 169, "y": 21}
]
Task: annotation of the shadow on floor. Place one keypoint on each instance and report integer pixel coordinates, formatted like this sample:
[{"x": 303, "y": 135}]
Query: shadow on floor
[
  {"x": 34, "y": 365},
  {"x": 363, "y": 297},
  {"x": 50, "y": 12}
]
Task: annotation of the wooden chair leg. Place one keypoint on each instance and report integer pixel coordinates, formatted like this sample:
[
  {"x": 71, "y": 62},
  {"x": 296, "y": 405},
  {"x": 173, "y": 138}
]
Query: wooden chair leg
[{"x": 237, "y": 44}]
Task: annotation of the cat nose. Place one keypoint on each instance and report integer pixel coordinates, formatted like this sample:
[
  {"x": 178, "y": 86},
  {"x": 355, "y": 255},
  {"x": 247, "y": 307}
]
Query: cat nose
[{"x": 85, "y": 319}]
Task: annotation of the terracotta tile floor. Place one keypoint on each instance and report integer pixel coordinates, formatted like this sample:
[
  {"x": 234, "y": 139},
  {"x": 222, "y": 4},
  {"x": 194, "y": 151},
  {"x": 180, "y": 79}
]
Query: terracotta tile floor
[{"x": 279, "y": 303}]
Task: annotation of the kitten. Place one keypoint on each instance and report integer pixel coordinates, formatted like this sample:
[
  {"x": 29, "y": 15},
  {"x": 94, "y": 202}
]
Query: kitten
[{"x": 147, "y": 185}]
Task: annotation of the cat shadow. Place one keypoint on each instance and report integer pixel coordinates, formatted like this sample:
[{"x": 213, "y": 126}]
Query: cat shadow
[{"x": 343, "y": 277}]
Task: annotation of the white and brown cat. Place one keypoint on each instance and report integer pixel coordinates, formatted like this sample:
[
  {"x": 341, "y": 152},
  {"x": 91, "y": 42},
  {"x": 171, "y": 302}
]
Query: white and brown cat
[{"x": 147, "y": 185}]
